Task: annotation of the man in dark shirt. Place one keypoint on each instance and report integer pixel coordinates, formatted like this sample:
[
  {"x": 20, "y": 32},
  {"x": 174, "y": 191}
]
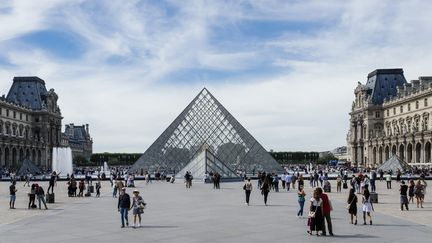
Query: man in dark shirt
[
  {"x": 12, "y": 190},
  {"x": 123, "y": 206},
  {"x": 52, "y": 182},
  {"x": 403, "y": 195}
]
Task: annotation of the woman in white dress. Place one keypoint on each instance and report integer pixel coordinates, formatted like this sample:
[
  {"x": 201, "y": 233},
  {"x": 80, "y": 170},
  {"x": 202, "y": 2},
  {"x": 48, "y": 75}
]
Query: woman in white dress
[{"x": 367, "y": 205}]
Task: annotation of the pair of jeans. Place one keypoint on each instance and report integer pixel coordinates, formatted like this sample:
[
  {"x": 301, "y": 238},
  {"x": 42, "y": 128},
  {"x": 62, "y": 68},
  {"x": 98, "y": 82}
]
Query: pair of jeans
[
  {"x": 42, "y": 199},
  {"x": 248, "y": 192},
  {"x": 300, "y": 212},
  {"x": 124, "y": 215},
  {"x": 373, "y": 187}
]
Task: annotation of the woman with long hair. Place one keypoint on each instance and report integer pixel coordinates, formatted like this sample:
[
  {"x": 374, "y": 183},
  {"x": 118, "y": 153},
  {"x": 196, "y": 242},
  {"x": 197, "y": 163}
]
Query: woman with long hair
[
  {"x": 352, "y": 206},
  {"x": 367, "y": 206},
  {"x": 301, "y": 200},
  {"x": 265, "y": 189},
  {"x": 316, "y": 219}
]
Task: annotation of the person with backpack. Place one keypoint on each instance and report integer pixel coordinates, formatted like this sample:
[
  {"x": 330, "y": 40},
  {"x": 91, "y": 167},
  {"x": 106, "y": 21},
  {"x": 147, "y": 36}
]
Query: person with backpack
[{"x": 247, "y": 187}]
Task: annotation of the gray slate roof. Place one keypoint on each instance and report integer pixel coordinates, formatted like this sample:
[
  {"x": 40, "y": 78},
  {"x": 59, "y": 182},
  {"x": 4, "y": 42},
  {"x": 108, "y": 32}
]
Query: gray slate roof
[
  {"x": 27, "y": 92},
  {"x": 382, "y": 84}
]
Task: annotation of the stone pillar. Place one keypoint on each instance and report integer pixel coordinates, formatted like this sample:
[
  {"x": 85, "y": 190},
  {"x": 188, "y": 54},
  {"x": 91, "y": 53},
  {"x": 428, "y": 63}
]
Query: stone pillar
[{"x": 2, "y": 160}]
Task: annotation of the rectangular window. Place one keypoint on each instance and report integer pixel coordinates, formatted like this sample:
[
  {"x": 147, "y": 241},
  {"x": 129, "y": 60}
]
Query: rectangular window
[
  {"x": 377, "y": 114},
  {"x": 401, "y": 109},
  {"x": 388, "y": 112},
  {"x": 20, "y": 116},
  {"x": 7, "y": 113},
  {"x": 394, "y": 111},
  {"x": 425, "y": 102},
  {"x": 14, "y": 115},
  {"x": 417, "y": 104},
  {"x": 409, "y": 106}
]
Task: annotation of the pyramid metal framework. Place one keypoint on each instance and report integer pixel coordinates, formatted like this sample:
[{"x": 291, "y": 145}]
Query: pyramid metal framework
[
  {"x": 394, "y": 163},
  {"x": 205, "y": 122}
]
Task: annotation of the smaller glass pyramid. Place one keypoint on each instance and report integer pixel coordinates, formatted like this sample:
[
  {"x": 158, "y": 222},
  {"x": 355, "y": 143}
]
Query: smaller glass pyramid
[
  {"x": 394, "y": 164},
  {"x": 205, "y": 123}
]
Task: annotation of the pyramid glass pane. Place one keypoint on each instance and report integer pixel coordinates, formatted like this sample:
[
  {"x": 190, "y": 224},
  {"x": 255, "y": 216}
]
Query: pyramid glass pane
[{"x": 206, "y": 121}]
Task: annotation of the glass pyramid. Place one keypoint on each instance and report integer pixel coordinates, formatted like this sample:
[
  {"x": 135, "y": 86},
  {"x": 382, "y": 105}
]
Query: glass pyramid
[
  {"x": 206, "y": 123},
  {"x": 394, "y": 163}
]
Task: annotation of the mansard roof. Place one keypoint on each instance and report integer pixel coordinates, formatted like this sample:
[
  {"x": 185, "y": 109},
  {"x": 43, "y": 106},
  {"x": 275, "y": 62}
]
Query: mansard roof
[
  {"x": 382, "y": 84},
  {"x": 76, "y": 133},
  {"x": 28, "y": 92}
]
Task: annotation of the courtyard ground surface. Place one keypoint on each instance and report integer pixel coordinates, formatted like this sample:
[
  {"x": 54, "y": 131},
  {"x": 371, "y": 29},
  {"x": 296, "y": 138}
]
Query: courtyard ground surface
[{"x": 201, "y": 214}]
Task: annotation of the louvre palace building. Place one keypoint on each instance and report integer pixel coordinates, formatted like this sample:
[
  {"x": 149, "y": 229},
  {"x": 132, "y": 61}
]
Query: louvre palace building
[
  {"x": 30, "y": 123},
  {"x": 391, "y": 116}
]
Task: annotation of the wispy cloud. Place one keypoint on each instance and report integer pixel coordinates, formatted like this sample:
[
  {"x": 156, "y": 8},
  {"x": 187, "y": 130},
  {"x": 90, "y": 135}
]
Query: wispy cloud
[{"x": 285, "y": 69}]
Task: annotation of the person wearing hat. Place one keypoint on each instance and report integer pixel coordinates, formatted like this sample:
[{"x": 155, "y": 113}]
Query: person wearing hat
[
  {"x": 123, "y": 206},
  {"x": 138, "y": 205}
]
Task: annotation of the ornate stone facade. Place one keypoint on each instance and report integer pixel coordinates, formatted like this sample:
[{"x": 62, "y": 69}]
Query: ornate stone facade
[
  {"x": 391, "y": 116},
  {"x": 30, "y": 123},
  {"x": 78, "y": 138}
]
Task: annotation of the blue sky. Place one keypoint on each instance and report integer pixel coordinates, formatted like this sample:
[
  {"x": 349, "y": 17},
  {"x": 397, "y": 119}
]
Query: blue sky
[{"x": 285, "y": 69}]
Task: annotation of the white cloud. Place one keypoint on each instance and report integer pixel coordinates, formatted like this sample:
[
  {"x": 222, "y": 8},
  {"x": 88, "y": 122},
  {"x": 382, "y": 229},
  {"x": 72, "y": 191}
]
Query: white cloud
[{"x": 302, "y": 105}]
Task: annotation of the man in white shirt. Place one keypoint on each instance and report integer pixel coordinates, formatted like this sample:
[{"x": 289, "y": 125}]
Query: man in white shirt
[{"x": 288, "y": 178}]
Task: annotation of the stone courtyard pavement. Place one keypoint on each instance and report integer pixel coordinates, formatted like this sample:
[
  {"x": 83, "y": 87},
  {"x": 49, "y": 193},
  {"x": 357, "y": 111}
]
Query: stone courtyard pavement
[{"x": 201, "y": 214}]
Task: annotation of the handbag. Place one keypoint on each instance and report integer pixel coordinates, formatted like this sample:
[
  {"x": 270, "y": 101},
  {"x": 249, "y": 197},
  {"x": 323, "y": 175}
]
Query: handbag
[
  {"x": 244, "y": 187},
  {"x": 311, "y": 215}
]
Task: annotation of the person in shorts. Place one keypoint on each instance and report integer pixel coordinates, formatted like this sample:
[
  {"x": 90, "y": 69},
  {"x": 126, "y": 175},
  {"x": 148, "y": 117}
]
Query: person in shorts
[{"x": 12, "y": 190}]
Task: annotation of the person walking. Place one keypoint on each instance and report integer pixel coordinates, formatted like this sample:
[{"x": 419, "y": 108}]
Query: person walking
[
  {"x": 265, "y": 189},
  {"x": 98, "y": 187},
  {"x": 419, "y": 192},
  {"x": 123, "y": 206},
  {"x": 339, "y": 183},
  {"x": 367, "y": 206},
  {"x": 327, "y": 208},
  {"x": 40, "y": 193},
  {"x": 316, "y": 219},
  {"x": 12, "y": 193},
  {"x": 403, "y": 195},
  {"x": 114, "y": 186},
  {"x": 388, "y": 180},
  {"x": 411, "y": 191},
  {"x": 138, "y": 205},
  {"x": 301, "y": 200},
  {"x": 352, "y": 206},
  {"x": 288, "y": 180},
  {"x": 248, "y": 189}
]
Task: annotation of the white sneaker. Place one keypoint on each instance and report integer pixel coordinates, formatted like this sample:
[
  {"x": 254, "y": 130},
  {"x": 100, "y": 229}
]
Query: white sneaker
[{"x": 138, "y": 225}]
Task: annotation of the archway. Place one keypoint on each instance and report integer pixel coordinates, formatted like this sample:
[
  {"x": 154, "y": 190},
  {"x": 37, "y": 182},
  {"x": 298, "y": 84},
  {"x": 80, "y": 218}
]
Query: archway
[
  {"x": 402, "y": 152},
  {"x": 39, "y": 157},
  {"x": 380, "y": 155},
  {"x": 409, "y": 153},
  {"x": 428, "y": 152},
  {"x": 394, "y": 150},
  {"x": 14, "y": 157},
  {"x": 387, "y": 153},
  {"x": 374, "y": 155},
  {"x": 7, "y": 157},
  {"x": 418, "y": 153}
]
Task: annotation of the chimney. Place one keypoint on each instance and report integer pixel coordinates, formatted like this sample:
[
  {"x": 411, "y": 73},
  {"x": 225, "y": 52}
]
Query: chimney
[{"x": 87, "y": 128}]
